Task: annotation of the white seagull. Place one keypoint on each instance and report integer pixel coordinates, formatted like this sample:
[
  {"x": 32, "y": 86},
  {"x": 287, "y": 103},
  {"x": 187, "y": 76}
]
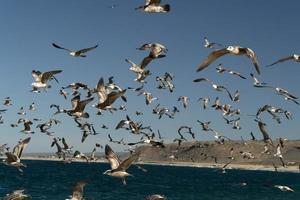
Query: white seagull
[
  {"x": 118, "y": 169},
  {"x": 294, "y": 57},
  {"x": 41, "y": 79},
  {"x": 153, "y": 6},
  {"x": 234, "y": 50},
  {"x": 76, "y": 53},
  {"x": 14, "y": 158}
]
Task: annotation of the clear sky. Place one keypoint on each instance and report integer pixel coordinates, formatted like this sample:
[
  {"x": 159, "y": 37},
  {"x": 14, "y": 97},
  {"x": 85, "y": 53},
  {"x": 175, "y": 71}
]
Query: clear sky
[{"x": 28, "y": 28}]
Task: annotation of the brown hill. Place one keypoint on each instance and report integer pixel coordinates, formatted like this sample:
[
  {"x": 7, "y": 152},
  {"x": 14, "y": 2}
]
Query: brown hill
[{"x": 213, "y": 152}]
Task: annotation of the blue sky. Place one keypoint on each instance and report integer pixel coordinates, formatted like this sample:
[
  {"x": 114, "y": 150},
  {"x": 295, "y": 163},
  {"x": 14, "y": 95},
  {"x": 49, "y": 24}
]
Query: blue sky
[{"x": 29, "y": 27}]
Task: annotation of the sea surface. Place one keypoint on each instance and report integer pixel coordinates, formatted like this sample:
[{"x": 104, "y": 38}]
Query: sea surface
[{"x": 54, "y": 181}]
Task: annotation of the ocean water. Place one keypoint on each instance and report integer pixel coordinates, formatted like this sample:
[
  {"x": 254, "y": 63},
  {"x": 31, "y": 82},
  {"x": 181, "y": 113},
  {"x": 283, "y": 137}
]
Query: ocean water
[{"x": 54, "y": 181}]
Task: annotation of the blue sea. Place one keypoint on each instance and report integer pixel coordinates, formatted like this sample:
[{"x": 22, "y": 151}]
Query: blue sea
[{"x": 54, "y": 180}]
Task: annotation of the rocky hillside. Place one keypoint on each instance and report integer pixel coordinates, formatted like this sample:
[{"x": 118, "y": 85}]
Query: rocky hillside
[{"x": 248, "y": 152}]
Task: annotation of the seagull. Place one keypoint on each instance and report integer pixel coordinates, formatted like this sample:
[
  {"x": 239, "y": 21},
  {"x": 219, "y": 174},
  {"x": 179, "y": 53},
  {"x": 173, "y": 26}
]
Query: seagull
[
  {"x": 27, "y": 124},
  {"x": 78, "y": 107},
  {"x": 66, "y": 146},
  {"x": 79, "y": 155},
  {"x": 156, "y": 197},
  {"x": 224, "y": 167},
  {"x": 45, "y": 127},
  {"x": 217, "y": 105},
  {"x": 14, "y": 158},
  {"x": 294, "y": 57},
  {"x": 205, "y": 101},
  {"x": 236, "y": 74},
  {"x": 205, "y": 125},
  {"x": 118, "y": 169},
  {"x": 184, "y": 100},
  {"x": 284, "y": 188},
  {"x": 257, "y": 83},
  {"x": 107, "y": 99},
  {"x": 59, "y": 151},
  {"x": 188, "y": 130},
  {"x": 41, "y": 79},
  {"x": 214, "y": 86},
  {"x": 149, "y": 98},
  {"x": 32, "y": 106},
  {"x": 7, "y": 101},
  {"x": 20, "y": 112},
  {"x": 16, "y": 195},
  {"x": 265, "y": 134},
  {"x": 221, "y": 69},
  {"x": 156, "y": 50},
  {"x": 78, "y": 191},
  {"x": 59, "y": 110},
  {"x": 235, "y": 50},
  {"x": 140, "y": 72},
  {"x": 76, "y": 53},
  {"x": 211, "y": 45},
  {"x": 165, "y": 81},
  {"x": 287, "y": 96},
  {"x": 153, "y": 6}
]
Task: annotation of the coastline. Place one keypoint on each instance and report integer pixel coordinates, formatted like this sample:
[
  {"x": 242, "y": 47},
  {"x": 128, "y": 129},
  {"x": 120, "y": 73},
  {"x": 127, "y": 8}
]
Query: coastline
[{"x": 254, "y": 167}]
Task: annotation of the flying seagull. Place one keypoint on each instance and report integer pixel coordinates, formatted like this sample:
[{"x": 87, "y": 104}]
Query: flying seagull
[
  {"x": 211, "y": 45},
  {"x": 264, "y": 132},
  {"x": 41, "y": 79},
  {"x": 13, "y": 158},
  {"x": 118, "y": 169},
  {"x": 294, "y": 57},
  {"x": 235, "y": 50},
  {"x": 284, "y": 188},
  {"x": 156, "y": 197},
  {"x": 153, "y": 6},
  {"x": 76, "y": 53},
  {"x": 78, "y": 191},
  {"x": 16, "y": 195}
]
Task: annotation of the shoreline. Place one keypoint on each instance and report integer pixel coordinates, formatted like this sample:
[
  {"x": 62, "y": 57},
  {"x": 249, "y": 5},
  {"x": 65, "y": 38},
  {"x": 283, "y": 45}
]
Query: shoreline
[{"x": 253, "y": 167}]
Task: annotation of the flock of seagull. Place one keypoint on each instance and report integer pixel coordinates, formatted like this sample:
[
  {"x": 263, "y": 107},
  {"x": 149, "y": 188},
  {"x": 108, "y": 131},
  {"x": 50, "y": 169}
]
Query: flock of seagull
[{"x": 107, "y": 93}]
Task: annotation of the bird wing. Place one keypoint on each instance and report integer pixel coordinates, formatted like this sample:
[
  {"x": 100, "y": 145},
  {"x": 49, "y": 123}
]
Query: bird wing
[
  {"x": 11, "y": 157},
  {"x": 65, "y": 143},
  {"x": 145, "y": 62},
  {"x": 121, "y": 124},
  {"x": 111, "y": 157},
  {"x": 200, "y": 80},
  {"x": 281, "y": 60},
  {"x": 81, "y": 105},
  {"x": 18, "y": 149},
  {"x": 113, "y": 96},
  {"x": 211, "y": 58},
  {"x": 251, "y": 54},
  {"x": 263, "y": 131},
  {"x": 101, "y": 90},
  {"x": 36, "y": 75},
  {"x": 230, "y": 96},
  {"x": 59, "y": 47},
  {"x": 227, "y": 164},
  {"x": 148, "y": 2},
  {"x": 87, "y": 49},
  {"x": 126, "y": 163},
  {"x": 47, "y": 75}
]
